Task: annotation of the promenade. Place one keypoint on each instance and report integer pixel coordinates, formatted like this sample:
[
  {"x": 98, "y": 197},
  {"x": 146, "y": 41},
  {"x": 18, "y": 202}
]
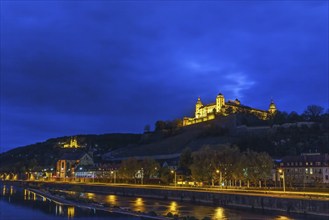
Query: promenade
[{"x": 301, "y": 203}]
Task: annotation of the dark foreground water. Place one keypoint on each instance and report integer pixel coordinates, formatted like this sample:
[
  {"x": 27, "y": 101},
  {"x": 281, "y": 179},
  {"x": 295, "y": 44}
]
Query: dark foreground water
[{"x": 18, "y": 203}]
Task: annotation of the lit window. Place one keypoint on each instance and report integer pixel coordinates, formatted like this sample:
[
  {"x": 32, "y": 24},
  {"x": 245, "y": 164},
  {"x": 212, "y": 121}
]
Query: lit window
[
  {"x": 306, "y": 163},
  {"x": 306, "y": 170},
  {"x": 311, "y": 170}
]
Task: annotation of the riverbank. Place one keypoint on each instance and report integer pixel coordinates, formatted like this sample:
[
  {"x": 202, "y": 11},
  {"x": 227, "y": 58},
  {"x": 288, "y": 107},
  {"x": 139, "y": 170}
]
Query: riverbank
[
  {"x": 95, "y": 206},
  {"x": 303, "y": 205}
]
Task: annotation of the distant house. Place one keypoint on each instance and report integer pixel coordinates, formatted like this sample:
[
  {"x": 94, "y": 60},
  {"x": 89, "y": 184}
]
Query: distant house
[
  {"x": 67, "y": 164},
  {"x": 306, "y": 169}
]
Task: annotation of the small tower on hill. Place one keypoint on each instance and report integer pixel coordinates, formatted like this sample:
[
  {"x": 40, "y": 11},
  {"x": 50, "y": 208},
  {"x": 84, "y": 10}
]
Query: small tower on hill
[{"x": 272, "y": 109}]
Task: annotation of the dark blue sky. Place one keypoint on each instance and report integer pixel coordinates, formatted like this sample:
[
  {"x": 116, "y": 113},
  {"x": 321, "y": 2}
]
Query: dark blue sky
[{"x": 96, "y": 67}]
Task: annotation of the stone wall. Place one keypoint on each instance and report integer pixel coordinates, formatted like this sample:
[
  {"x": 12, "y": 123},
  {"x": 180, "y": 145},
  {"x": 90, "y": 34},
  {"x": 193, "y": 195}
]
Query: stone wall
[{"x": 264, "y": 202}]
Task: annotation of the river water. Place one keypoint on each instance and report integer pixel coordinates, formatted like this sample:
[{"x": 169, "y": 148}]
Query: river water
[{"x": 18, "y": 203}]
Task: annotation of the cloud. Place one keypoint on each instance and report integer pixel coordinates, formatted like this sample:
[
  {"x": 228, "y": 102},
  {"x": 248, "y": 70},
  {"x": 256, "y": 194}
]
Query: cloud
[
  {"x": 237, "y": 82},
  {"x": 118, "y": 62}
]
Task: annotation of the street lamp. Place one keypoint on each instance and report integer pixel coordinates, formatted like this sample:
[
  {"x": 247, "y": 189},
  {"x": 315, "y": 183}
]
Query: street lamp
[
  {"x": 283, "y": 179},
  {"x": 114, "y": 177},
  {"x": 174, "y": 172}
]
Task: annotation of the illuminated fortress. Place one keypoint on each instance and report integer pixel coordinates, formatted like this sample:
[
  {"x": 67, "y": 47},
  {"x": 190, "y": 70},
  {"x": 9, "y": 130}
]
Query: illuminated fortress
[{"x": 220, "y": 107}]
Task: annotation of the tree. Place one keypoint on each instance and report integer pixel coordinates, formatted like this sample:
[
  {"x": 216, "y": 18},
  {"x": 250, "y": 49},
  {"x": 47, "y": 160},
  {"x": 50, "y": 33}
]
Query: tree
[
  {"x": 265, "y": 163},
  {"x": 250, "y": 170},
  {"x": 147, "y": 128},
  {"x": 129, "y": 168},
  {"x": 202, "y": 168},
  {"x": 225, "y": 160},
  {"x": 150, "y": 167},
  {"x": 185, "y": 159},
  {"x": 293, "y": 117},
  {"x": 257, "y": 166},
  {"x": 165, "y": 175},
  {"x": 313, "y": 112},
  {"x": 160, "y": 125},
  {"x": 280, "y": 118}
]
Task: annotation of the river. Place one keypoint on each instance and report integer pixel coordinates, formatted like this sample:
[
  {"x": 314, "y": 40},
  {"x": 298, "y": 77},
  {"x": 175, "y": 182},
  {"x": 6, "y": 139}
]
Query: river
[{"x": 18, "y": 203}]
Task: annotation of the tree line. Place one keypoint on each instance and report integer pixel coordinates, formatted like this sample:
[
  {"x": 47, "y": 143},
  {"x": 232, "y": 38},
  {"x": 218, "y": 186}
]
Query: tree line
[{"x": 223, "y": 166}]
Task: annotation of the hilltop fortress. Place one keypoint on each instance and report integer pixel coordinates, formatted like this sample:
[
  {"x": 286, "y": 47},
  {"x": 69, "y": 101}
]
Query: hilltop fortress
[{"x": 220, "y": 107}]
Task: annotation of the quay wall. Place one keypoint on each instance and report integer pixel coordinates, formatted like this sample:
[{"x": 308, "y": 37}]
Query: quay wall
[{"x": 266, "y": 203}]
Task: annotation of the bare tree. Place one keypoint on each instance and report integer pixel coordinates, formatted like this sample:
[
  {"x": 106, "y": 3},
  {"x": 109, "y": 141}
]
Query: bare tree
[{"x": 313, "y": 112}]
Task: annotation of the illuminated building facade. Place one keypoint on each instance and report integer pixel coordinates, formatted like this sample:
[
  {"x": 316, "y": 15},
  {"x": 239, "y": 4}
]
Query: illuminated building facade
[
  {"x": 67, "y": 164},
  {"x": 73, "y": 143},
  {"x": 220, "y": 107}
]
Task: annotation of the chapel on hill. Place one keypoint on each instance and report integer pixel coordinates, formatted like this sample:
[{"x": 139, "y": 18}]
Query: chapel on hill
[{"x": 220, "y": 107}]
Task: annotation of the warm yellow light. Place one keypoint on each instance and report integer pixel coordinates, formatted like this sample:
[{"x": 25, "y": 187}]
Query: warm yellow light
[
  {"x": 70, "y": 212},
  {"x": 112, "y": 199},
  {"x": 90, "y": 195},
  {"x": 217, "y": 171},
  {"x": 280, "y": 170},
  {"x": 173, "y": 208},
  {"x": 219, "y": 213},
  {"x": 281, "y": 217},
  {"x": 139, "y": 205},
  {"x": 11, "y": 190}
]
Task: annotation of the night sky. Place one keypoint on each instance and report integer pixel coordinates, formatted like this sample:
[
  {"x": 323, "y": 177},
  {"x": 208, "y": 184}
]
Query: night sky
[{"x": 94, "y": 67}]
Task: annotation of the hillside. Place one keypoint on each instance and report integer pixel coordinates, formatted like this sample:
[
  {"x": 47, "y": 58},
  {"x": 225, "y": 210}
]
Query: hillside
[
  {"x": 46, "y": 154},
  {"x": 278, "y": 140}
]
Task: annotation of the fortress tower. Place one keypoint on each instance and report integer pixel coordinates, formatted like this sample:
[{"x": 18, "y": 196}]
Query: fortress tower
[
  {"x": 198, "y": 105},
  {"x": 272, "y": 108},
  {"x": 220, "y": 102}
]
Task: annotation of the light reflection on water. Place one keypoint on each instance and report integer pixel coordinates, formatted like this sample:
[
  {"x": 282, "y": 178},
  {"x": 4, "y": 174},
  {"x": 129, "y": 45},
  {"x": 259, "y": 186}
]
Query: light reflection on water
[
  {"x": 112, "y": 200},
  {"x": 139, "y": 204},
  {"x": 219, "y": 213},
  {"x": 173, "y": 208},
  {"x": 281, "y": 217},
  {"x": 70, "y": 212},
  {"x": 22, "y": 204}
]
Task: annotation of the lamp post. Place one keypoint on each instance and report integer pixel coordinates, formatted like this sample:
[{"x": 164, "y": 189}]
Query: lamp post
[
  {"x": 283, "y": 179},
  {"x": 217, "y": 171},
  {"x": 174, "y": 172},
  {"x": 142, "y": 175},
  {"x": 220, "y": 177},
  {"x": 114, "y": 176}
]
